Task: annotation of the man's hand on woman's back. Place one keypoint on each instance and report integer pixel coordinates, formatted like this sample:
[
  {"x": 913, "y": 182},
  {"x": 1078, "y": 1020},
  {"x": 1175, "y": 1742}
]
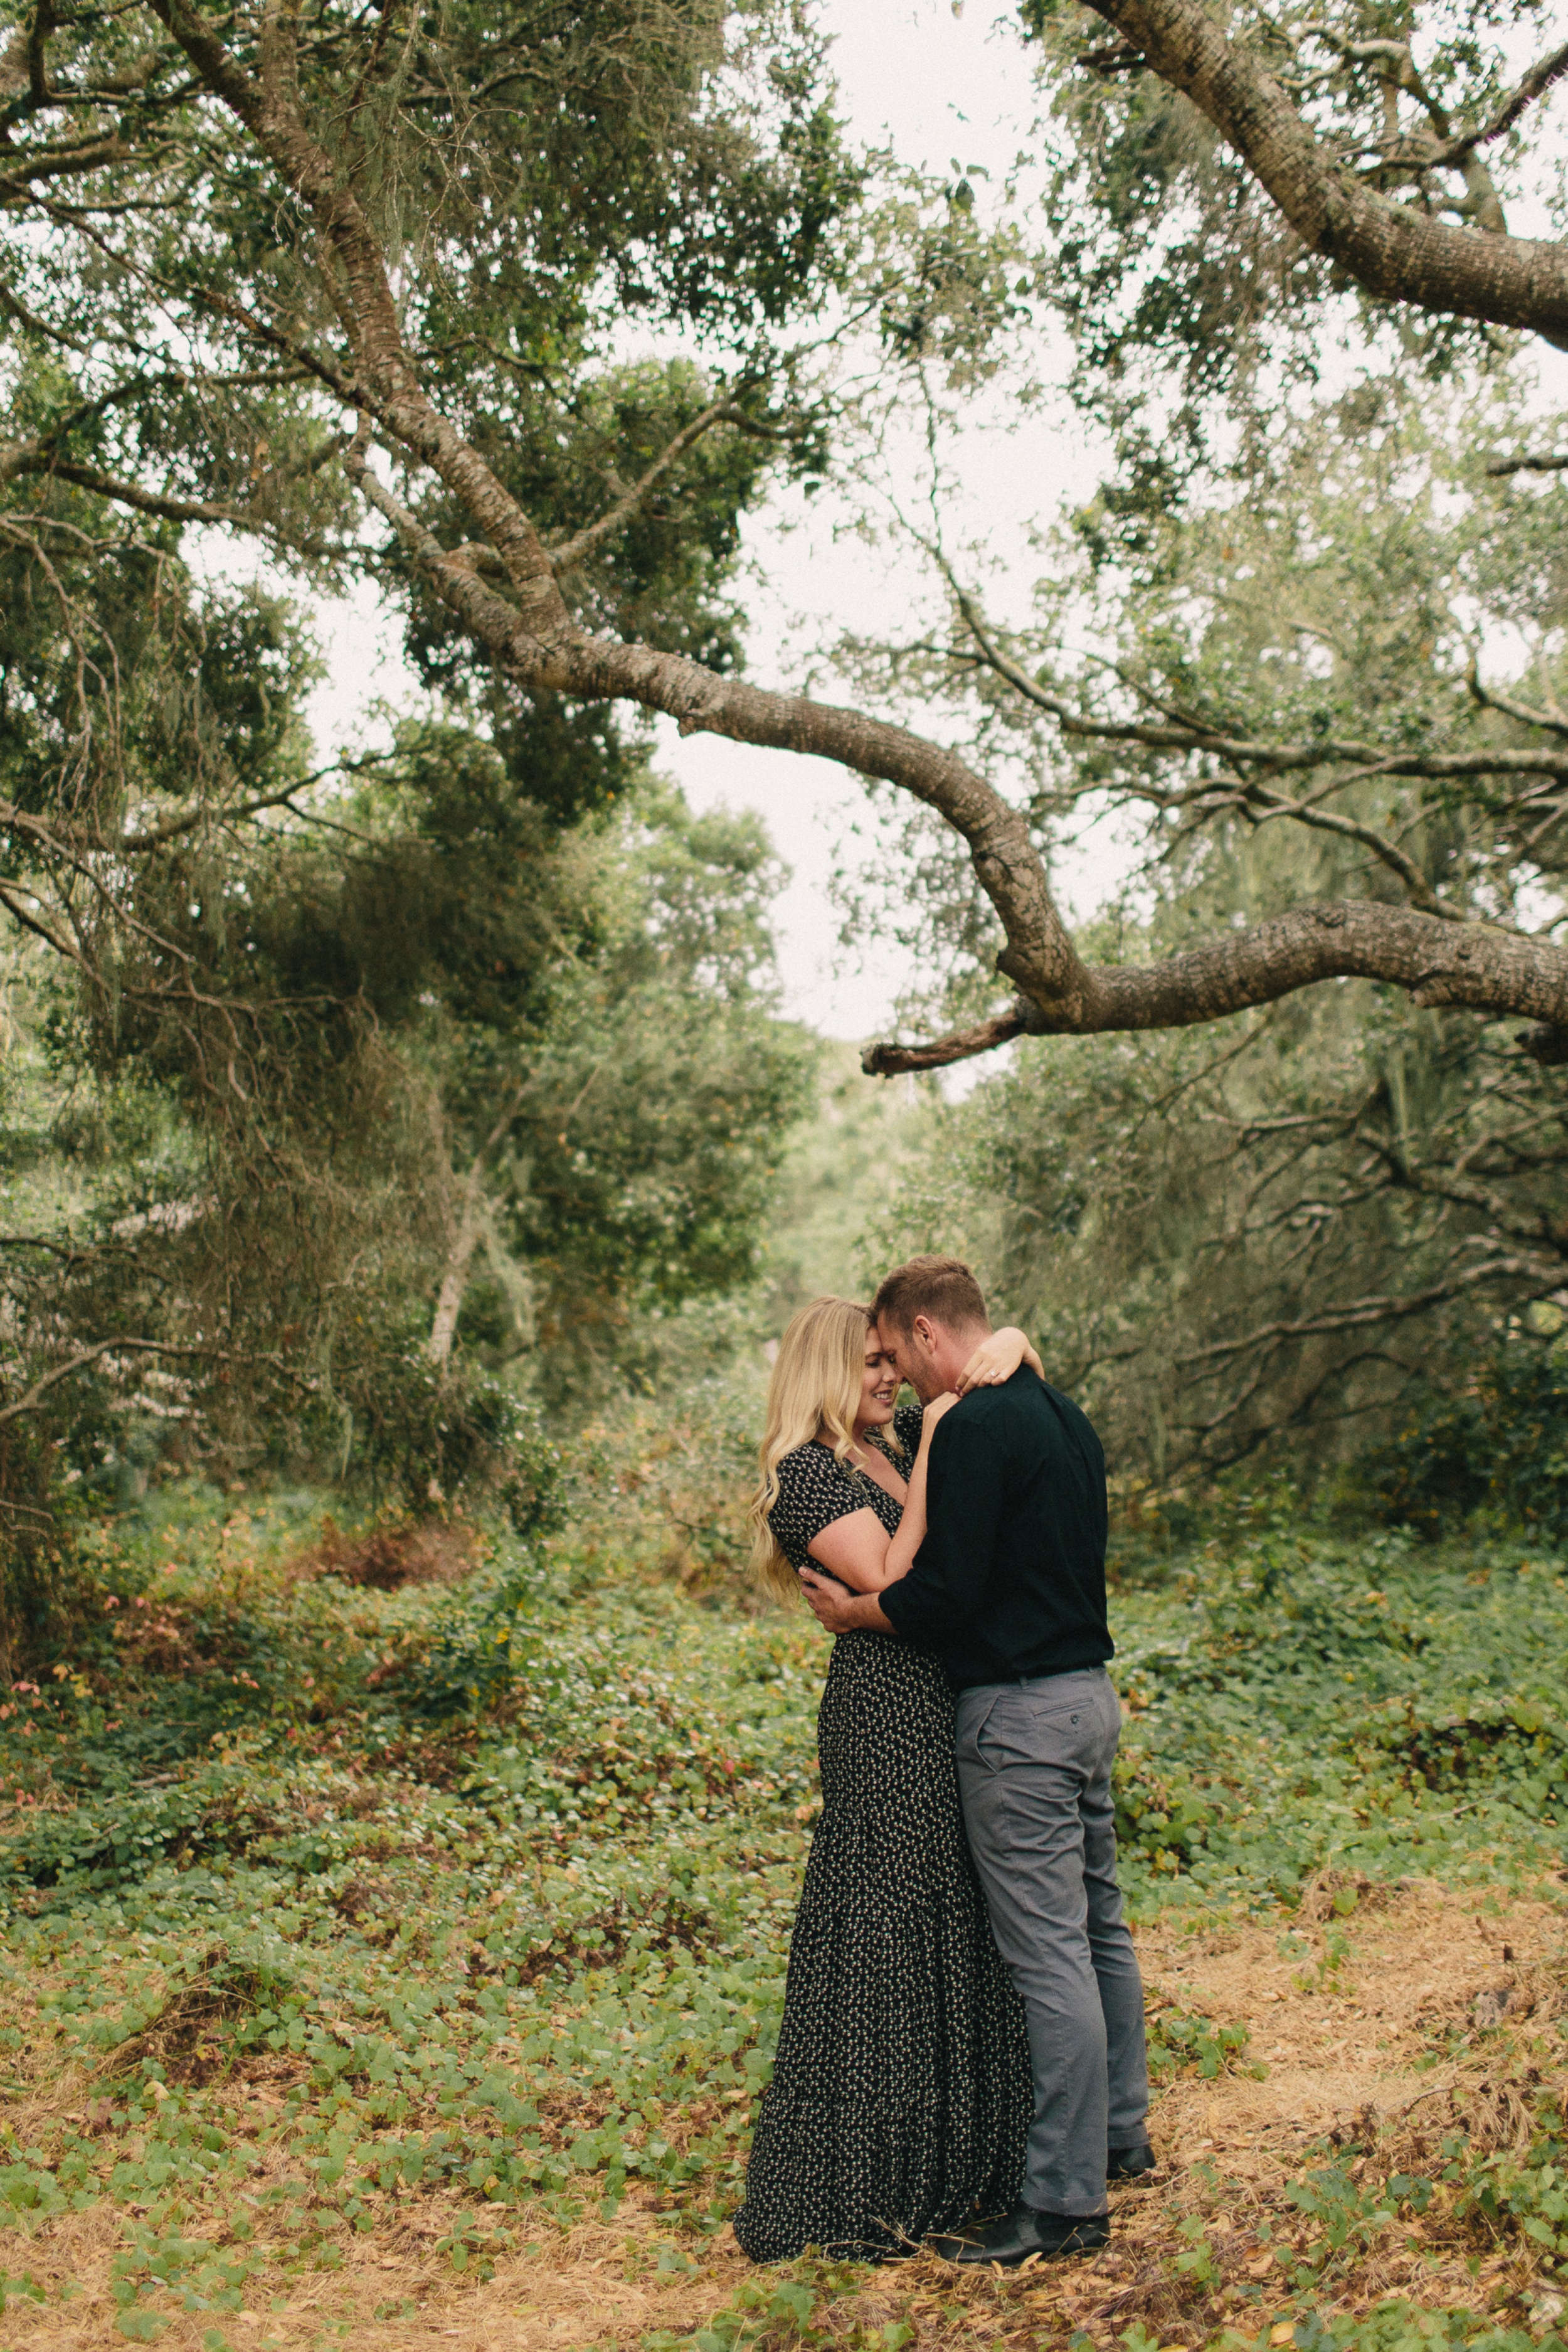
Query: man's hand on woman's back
[{"x": 839, "y": 1610}]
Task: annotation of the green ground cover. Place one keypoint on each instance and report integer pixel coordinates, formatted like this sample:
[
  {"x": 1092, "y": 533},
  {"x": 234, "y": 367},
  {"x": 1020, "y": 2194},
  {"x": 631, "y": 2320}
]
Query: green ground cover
[{"x": 490, "y": 1881}]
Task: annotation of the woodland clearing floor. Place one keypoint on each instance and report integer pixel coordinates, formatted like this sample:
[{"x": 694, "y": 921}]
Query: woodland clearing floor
[{"x": 1421, "y": 2008}]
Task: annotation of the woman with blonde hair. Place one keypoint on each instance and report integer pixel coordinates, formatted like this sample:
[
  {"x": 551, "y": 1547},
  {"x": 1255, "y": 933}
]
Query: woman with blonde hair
[{"x": 901, "y": 2092}]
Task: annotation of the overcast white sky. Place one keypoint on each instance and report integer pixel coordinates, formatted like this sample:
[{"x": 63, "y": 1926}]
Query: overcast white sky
[{"x": 934, "y": 85}]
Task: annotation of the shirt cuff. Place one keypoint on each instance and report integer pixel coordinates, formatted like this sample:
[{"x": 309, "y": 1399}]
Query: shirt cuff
[{"x": 893, "y": 1601}]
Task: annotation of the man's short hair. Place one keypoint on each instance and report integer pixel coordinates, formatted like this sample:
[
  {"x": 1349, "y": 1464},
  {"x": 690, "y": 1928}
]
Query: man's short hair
[{"x": 942, "y": 1287}]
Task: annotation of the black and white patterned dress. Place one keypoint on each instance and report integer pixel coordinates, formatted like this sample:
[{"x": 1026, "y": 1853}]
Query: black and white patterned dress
[{"x": 900, "y": 2097}]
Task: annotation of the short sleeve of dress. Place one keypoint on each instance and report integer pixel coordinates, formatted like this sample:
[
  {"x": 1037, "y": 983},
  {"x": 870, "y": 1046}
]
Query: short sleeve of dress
[
  {"x": 813, "y": 1491},
  {"x": 906, "y": 1425}
]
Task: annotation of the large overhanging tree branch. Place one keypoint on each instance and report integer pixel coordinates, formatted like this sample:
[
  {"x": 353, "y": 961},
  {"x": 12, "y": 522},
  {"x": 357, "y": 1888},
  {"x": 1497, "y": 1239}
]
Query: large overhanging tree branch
[
  {"x": 1401, "y": 252},
  {"x": 522, "y": 620},
  {"x": 1430, "y": 951},
  {"x": 1439, "y": 962}
]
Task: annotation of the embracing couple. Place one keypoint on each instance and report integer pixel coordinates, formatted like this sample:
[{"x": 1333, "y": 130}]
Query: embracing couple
[{"x": 961, "y": 2059}]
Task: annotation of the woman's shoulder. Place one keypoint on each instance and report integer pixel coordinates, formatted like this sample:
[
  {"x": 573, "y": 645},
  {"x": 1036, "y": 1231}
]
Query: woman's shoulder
[
  {"x": 810, "y": 1465},
  {"x": 814, "y": 1490}
]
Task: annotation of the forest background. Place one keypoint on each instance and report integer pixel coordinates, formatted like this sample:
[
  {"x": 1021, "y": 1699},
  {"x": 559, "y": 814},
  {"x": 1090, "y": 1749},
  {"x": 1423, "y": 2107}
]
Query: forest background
[
  {"x": 375, "y": 1100},
  {"x": 410, "y": 1155}
]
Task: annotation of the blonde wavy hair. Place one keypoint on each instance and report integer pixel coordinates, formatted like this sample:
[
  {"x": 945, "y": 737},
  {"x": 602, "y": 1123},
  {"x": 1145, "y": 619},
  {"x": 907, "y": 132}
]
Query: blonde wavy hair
[{"x": 815, "y": 1392}]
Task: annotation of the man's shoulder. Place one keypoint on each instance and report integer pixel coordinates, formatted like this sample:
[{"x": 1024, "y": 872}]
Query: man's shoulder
[
  {"x": 976, "y": 1410},
  {"x": 1002, "y": 1412},
  {"x": 1028, "y": 1409}
]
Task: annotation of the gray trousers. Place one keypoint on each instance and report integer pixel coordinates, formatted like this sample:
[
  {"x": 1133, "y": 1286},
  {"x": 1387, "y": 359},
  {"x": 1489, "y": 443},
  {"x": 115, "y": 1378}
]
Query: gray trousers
[{"x": 1034, "y": 1771}]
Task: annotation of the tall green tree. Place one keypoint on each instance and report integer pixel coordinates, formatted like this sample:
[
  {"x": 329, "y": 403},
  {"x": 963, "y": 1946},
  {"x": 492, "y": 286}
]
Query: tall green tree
[
  {"x": 299, "y": 1062},
  {"x": 326, "y": 1057}
]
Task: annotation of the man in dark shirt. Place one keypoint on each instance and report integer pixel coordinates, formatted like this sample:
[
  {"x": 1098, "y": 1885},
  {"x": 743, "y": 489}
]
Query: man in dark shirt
[{"x": 1008, "y": 1589}]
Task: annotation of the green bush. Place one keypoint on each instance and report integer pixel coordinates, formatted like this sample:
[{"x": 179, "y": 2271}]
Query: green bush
[
  {"x": 421, "y": 1433},
  {"x": 1497, "y": 1446}
]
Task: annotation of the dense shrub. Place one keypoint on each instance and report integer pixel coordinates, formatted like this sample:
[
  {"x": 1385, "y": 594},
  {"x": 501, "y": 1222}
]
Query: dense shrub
[
  {"x": 1497, "y": 1446},
  {"x": 424, "y": 1433}
]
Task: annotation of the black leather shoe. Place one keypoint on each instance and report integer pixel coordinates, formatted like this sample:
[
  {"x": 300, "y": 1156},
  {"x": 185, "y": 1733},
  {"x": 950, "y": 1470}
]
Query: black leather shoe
[
  {"x": 1130, "y": 2163},
  {"x": 1023, "y": 2233}
]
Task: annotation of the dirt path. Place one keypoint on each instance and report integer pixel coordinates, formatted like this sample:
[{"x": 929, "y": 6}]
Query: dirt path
[{"x": 1392, "y": 2024}]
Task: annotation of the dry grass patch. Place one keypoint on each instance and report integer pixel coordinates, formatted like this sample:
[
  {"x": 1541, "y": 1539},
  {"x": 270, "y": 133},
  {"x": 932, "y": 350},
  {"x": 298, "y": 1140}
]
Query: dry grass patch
[
  {"x": 596, "y": 2283},
  {"x": 386, "y": 1559}
]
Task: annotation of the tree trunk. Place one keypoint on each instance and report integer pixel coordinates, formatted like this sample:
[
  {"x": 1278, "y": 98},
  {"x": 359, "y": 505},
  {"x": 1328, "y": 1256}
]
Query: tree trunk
[
  {"x": 464, "y": 1237},
  {"x": 454, "y": 1279}
]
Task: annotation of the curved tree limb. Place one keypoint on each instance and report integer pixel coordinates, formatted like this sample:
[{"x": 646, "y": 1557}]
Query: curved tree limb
[
  {"x": 1391, "y": 249},
  {"x": 1538, "y": 1229},
  {"x": 1437, "y": 961},
  {"x": 1551, "y": 721},
  {"x": 128, "y": 494},
  {"x": 1524, "y": 94},
  {"x": 1502, "y": 467},
  {"x": 567, "y": 553},
  {"x": 33, "y": 1397},
  {"x": 1355, "y": 1314},
  {"x": 60, "y": 163},
  {"x": 1193, "y": 734},
  {"x": 1256, "y": 758}
]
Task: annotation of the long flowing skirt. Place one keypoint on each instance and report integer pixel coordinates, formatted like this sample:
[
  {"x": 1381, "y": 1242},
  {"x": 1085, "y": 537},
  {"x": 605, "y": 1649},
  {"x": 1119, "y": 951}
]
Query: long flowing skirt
[{"x": 901, "y": 2094}]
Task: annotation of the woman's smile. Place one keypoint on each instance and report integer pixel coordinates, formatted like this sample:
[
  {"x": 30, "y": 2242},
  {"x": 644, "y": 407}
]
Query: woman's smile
[{"x": 878, "y": 1386}]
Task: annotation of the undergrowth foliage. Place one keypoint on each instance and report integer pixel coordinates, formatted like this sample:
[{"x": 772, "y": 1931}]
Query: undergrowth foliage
[
  {"x": 1497, "y": 1448},
  {"x": 464, "y": 1888}
]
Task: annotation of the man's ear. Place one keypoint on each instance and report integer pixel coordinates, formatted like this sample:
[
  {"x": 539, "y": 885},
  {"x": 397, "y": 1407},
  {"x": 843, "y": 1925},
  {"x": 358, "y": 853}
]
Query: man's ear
[{"x": 922, "y": 1329}]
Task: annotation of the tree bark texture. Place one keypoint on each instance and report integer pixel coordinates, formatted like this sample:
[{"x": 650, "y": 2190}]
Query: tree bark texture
[{"x": 1392, "y": 249}]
